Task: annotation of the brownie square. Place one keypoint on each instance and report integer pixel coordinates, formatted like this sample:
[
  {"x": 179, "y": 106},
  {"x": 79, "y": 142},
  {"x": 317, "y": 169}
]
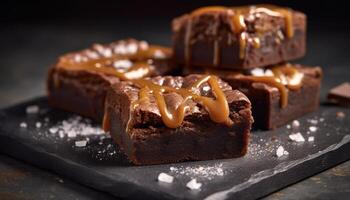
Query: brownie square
[
  {"x": 266, "y": 99},
  {"x": 78, "y": 81},
  {"x": 239, "y": 37},
  {"x": 138, "y": 128}
]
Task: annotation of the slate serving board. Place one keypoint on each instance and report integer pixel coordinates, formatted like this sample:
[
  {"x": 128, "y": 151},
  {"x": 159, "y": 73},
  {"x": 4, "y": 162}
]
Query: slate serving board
[{"x": 101, "y": 166}]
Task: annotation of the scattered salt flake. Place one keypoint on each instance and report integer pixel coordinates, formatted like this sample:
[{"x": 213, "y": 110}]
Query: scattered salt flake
[
  {"x": 281, "y": 152},
  {"x": 321, "y": 119},
  {"x": 313, "y": 121},
  {"x": 53, "y": 130},
  {"x": 81, "y": 143},
  {"x": 297, "y": 137},
  {"x": 194, "y": 185},
  {"x": 313, "y": 128},
  {"x": 311, "y": 139},
  {"x": 23, "y": 125},
  {"x": 159, "y": 54},
  {"x": 207, "y": 172},
  {"x": 61, "y": 133},
  {"x": 288, "y": 126},
  {"x": 38, "y": 124},
  {"x": 166, "y": 178},
  {"x": 33, "y": 109},
  {"x": 295, "y": 124},
  {"x": 60, "y": 180}
]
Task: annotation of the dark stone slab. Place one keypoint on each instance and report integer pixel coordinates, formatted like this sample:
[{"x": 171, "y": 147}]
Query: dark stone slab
[{"x": 255, "y": 175}]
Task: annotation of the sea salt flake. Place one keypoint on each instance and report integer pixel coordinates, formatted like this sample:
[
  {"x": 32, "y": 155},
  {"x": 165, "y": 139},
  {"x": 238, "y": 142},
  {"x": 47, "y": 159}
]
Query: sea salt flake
[
  {"x": 297, "y": 137},
  {"x": 159, "y": 54},
  {"x": 313, "y": 121},
  {"x": 53, "y": 130},
  {"x": 122, "y": 65},
  {"x": 33, "y": 109},
  {"x": 313, "y": 128},
  {"x": 288, "y": 126},
  {"x": 194, "y": 185},
  {"x": 38, "y": 124},
  {"x": 311, "y": 139},
  {"x": 166, "y": 178},
  {"x": 81, "y": 143},
  {"x": 295, "y": 124},
  {"x": 280, "y": 151},
  {"x": 23, "y": 125}
]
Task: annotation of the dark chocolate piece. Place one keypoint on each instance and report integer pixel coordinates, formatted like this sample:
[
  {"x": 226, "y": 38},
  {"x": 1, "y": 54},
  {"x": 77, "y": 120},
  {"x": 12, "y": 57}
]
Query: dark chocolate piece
[
  {"x": 340, "y": 94},
  {"x": 267, "y": 108},
  {"x": 78, "y": 81},
  {"x": 137, "y": 126},
  {"x": 239, "y": 37}
]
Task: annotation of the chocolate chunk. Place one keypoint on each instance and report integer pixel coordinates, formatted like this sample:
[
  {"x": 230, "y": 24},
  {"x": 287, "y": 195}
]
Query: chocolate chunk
[{"x": 340, "y": 94}]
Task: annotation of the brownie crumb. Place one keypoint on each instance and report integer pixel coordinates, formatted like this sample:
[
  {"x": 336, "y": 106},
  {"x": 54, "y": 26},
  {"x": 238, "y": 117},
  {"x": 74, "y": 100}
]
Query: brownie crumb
[{"x": 340, "y": 115}]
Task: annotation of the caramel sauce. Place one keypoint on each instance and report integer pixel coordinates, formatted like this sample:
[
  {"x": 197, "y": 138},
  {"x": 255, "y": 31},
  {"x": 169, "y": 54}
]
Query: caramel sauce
[
  {"x": 140, "y": 66},
  {"x": 284, "y": 77},
  {"x": 239, "y": 25},
  {"x": 217, "y": 108}
]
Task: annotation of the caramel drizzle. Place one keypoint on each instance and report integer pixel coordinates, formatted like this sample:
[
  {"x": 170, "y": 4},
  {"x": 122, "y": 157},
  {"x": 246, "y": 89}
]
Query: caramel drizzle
[
  {"x": 140, "y": 67},
  {"x": 239, "y": 26},
  {"x": 217, "y": 108},
  {"x": 284, "y": 78}
]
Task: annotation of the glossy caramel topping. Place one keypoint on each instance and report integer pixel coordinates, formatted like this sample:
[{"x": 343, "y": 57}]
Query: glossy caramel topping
[
  {"x": 283, "y": 78},
  {"x": 125, "y": 59},
  {"x": 217, "y": 108},
  {"x": 239, "y": 25}
]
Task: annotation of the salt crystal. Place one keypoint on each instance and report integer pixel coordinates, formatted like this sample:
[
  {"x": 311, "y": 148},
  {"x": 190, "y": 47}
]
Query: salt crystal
[
  {"x": 295, "y": 124},
  {"x": 53, "y": 130},
  {"x": 313, "y": 128},
  {"x": 321, "y": 119},
  {"x": 288, "y": 126},
  {"x": 122, "y": 65},
  {"x": 33, "y": 109},
  {"x": 81, "y": 143},
  {"x": 313, "y": 121},
  {"x": 206, "y": 88},
  {"x": 71, "y": 134},
  {"x": 23, "y": 125},
  {"x": 159, "y": 54},
  {"x": 166, "y": 178},
  {"x": 61, "y": 133},
  {"x": 297, "y": 137},
  {"x": 143, "y": 45},
  {"x": 194, "y": 185},
  {"x": 131, "y": 48},
  {"x": 281, "y": 152},
  {"x": 311, "y": 139},
  {"x": 38, "y": 124}
]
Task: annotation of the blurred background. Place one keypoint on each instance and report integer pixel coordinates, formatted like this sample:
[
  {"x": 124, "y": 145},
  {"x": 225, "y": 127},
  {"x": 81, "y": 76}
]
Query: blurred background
[{"x": 34, "y": 33}]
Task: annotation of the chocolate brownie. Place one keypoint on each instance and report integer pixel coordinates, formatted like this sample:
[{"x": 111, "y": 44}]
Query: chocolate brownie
[
  {"x": 144, "y": 124},
  {"x": 340, "y": 94},
  {"x": 278, "y": 94},
  {"x": 239, "y": 37},
  {"x": 78, "y": 81}
]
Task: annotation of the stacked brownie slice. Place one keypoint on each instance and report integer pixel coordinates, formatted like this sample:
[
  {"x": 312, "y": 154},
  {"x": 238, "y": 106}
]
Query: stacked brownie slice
[{"x": 248, "y": 47}]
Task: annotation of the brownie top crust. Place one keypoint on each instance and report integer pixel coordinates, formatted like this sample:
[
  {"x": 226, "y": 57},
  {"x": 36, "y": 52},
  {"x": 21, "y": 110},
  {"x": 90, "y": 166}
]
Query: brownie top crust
[
  {"x": 130, "y": 58},
  {"x": 145, "y": 107},
  {"x": 236, "y": 25}
]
